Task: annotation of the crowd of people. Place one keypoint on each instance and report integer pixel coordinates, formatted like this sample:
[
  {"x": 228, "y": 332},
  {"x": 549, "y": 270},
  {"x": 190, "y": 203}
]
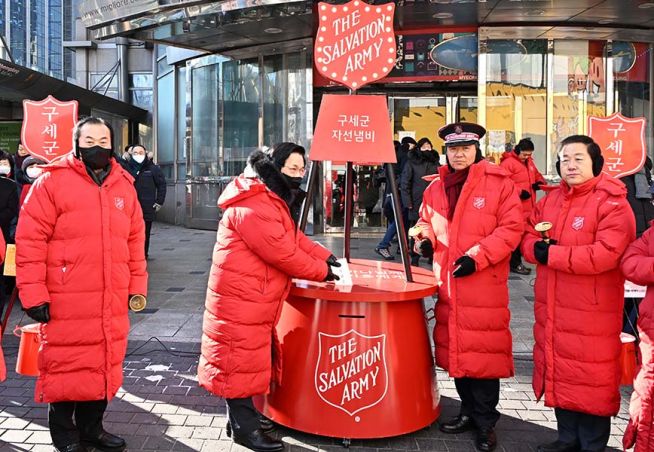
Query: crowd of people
[{"x": 82, "y": 243}]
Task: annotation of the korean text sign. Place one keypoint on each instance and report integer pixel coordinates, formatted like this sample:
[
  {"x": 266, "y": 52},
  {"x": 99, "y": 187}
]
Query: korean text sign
[
  {"x": 47, "y": 130},
  {"x": 622, "y": 141}
]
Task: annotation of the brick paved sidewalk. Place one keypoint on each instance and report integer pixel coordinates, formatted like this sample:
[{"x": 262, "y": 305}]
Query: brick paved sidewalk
[{"x": 160, "y": 406}]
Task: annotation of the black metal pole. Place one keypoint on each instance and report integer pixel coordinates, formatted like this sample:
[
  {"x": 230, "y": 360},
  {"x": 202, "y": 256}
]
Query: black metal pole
[
  {"x": 349, "y": 207},
  {"x": 311, "y": 189},
  {"x": 399, "y": 222}
]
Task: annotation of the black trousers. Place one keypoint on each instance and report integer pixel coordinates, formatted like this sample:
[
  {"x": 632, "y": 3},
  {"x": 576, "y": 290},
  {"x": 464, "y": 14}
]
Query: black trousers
[
  {"x": 242, "y": 415},
  {"x": 479, "y": 399},
  {"x": 589, "y": 431},
  {"x": 87, "y": 416},
  {"x": 516, "y": 258},
  {"x": 148, "y": 229}
]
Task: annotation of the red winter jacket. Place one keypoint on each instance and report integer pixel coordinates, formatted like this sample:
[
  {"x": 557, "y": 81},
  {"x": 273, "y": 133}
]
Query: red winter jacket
[
  {"x": 579, "y": 295},
  {"x": 80, "y": 248},
  {"x": 257, "y": 251},
  {"x": 3, "y": 368},
  {"x": 638, "y": 266},
  {"x": 523, "y": 175},
  {"x": 472, "y": 333}
]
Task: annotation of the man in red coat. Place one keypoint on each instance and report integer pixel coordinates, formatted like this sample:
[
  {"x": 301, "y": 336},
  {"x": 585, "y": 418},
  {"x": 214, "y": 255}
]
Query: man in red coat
[
  {"x": 579, "y": 296},
  {"x": 79, "y": 254},
  {"x": 527, "y": 179},
  {"x": 471, "y": 221}
]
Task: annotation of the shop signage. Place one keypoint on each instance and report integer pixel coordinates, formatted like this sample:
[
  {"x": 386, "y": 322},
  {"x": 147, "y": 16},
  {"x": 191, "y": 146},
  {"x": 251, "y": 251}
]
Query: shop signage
[
  {"x": 351, "y": 373},
  {"x": 622, "y": 141},
  {"x": 353, "y": 129},
  {"x": 355, "y": 43},
  {"x": 98, "y": 12},
  {"x": 47, "y": 131}
]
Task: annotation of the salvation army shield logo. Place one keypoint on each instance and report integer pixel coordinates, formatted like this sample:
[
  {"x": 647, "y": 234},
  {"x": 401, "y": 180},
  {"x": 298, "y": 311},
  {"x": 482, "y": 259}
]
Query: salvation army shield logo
[
  {"x": 622, "y": 141},
  {"x": 355, "y": 43},
  {"x": 577, "y": 223},
  {"x": 478, "y": 202},
  {"x": 351, "y": 373},
  {"x": 119, "y": 203},
  {"x": 47, "y": 130}
]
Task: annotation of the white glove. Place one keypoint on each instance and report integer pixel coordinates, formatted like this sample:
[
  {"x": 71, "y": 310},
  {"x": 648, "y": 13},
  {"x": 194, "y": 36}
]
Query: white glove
[{"x": 157, "y": 207}]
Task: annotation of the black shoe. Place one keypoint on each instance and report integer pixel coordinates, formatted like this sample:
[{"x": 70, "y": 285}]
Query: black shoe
[
  {"x": 521, "y": 270},
  {"x": 106, "y": 442},
  {"x": 459, "y": 424},
  {"x": 558, "y": 446},
  {"x": 385, "y": 253},
  {"x": 415, "y": 261},
  {"x": 267, "y": 426},
  {"x": 76, "y": 447},
  {"x": 258, "y": 441},
  {"x": 486, "y": 439}
]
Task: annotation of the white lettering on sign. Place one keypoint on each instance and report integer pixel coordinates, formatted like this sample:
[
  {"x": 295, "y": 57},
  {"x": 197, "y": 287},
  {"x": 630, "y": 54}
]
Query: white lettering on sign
[{"x": 50, "y": 112}]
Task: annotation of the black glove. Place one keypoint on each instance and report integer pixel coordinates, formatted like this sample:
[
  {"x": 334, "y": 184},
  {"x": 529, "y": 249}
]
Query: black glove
[
  {"x": 425, "y": 248},
  {"x": 330, "y": 275},
  {"x": 332, "y": 261},
  {"x": 465, "y": 266},
  {"x": 40, "y": 313},
  {"x": 524, "y": 194},
  {"x": 536, "y": 185},
  {"x": 542, "y": 250}
]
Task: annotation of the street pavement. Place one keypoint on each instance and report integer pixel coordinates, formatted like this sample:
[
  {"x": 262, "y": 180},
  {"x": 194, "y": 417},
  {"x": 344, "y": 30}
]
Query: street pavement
[{"x": 161, "y": 407}]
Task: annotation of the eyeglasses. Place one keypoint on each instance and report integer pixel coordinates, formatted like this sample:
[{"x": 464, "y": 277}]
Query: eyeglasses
[{"x": 299, "y": 171}]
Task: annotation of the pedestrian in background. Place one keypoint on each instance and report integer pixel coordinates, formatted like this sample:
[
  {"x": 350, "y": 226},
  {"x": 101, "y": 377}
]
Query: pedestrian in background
[
  {"x": 258, "y": 250},
  {"x": 579, "y": 296},
  {"x": 79, "y": 256},
  {"x": 30, "y": 171},
  {"x": 150, "y": 184},
  {"x": 471, "y": 221},
  {"x": 522, "y": 170},
  {"x": 8, "y": 196},
  {"x": 383, "y": 247}
]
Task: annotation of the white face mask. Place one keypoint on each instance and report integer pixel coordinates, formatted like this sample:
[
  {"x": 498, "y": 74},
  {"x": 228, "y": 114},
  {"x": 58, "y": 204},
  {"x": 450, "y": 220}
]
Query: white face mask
[
  {"x": 33, "y": 172},
  {"x": 138, "y": 158},
  {"x": 5, "y": 169}
]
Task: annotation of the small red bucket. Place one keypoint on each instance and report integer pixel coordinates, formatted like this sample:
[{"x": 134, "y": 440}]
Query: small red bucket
[
  {"x": 628, "y": 361},
  {"x": 28, "y": 350}
]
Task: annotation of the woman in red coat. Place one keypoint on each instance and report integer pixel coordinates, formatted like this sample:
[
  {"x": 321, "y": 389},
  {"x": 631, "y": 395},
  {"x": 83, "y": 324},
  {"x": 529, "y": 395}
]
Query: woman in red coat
[
  {"x": 579, "y": 296},
  {"x": 527, "y": 179},
  {"x": 638, "y": 266},
  {"x": 471, "y": 220},
  {"x": 258, "y": 250}
]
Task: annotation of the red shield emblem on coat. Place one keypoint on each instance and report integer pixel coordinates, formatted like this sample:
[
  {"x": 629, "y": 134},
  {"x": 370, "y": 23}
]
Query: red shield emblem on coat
[
  {"x": 622, "y": 141},
  {"x": 120, "y": 203},
  {"x": 478, "y": 202},
  {"x": 351, "y": 373},
  {"x": 47, "y": 130},
  {"x": 355, "y": 43},
  {"x": 577, "y": 223}
]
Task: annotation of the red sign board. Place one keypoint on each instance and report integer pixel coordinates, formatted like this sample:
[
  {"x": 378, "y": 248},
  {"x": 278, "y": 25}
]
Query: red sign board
[
  {"x": 353, "y": 129},
  {"x": 355, "y": 44},
  {"x": 47, "y": 131},
  {"x": 622, "y": 141},
  {"x": 351, "y": 372}
]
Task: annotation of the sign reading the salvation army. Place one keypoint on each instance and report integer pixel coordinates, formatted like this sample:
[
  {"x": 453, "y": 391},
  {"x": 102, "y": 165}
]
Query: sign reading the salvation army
[
  {"x": 622, "y": 141},
  {"x": 353, "y": 129},
  {"x": 351, "y": 373},
  {"x": 355, "y": 44},
  {"x": 47, "y": 131}
]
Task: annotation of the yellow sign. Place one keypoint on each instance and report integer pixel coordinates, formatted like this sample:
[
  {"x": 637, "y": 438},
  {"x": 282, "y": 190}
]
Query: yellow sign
[{"x": 10, "y": 261}]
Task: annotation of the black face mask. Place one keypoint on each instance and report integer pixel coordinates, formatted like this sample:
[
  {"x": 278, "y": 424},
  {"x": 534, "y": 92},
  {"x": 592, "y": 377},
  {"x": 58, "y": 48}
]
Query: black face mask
[
  {"x": 95, "y": 157},
  {"x": 293, "y": 182}
]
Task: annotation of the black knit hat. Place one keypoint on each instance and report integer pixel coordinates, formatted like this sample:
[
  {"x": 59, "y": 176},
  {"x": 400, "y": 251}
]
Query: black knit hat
[{"x": 281, "y": 151}]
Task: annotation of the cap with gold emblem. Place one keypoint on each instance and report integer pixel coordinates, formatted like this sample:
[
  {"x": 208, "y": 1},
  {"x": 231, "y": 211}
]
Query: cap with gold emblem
[{"x": 461, "y": 133}]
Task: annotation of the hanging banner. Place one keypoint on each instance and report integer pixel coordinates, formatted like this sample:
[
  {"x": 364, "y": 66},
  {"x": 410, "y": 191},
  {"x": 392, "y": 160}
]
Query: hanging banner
[
  {"x": 355, "y": 44},
  {"x": 47, "y": 131},
  {"x": 622, "y": 141},
  {"x": 353, "y": 129}
]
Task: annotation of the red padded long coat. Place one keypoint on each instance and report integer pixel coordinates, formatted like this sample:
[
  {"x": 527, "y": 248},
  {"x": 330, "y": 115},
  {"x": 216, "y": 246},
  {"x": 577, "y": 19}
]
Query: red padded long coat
[
  {"x": 579, "y": 295},
  {"x": 257, "y": 251},
  {"x": 638, "y": 266},
  {"x": 472, "y": 332},
  {"x": 523, "y": 175},
  {"x": 80, "y": 247}
]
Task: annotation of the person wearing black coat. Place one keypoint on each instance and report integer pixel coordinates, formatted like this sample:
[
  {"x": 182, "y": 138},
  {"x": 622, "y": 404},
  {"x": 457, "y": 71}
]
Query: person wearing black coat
[
  {"x": 150, "y": 185},
  {"x": 8, "y": 213},
  {"x": 422, "y": 161}
]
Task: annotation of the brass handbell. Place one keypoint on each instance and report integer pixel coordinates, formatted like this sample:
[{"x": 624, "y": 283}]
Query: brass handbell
[
  {"x": 543, "y": 227},
  {"x": 137, "y": 303}
]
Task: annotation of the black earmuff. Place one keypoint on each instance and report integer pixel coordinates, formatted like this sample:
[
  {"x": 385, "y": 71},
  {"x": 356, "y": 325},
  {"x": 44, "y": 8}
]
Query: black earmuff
[{"x": 598, "y": 164}]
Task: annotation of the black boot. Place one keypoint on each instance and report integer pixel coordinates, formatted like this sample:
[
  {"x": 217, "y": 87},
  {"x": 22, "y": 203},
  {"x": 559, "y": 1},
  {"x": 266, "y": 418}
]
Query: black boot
[
  {"x": 105, "y": 442},
  {"x": 258, "y": 441},
  {"x": 558, "y": 446},
  {"x": 76, "y": 447},
  {"x": 267, "y": 426},
  {"x": 521, "y": 270},
  {"x": 486, "y": 439},
  {"x": 459, "y": 424}
]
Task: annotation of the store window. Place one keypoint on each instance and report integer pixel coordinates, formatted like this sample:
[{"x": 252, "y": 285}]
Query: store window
[
  {"x": 140, "y": 90},
  {"x": 105, "y": 83},
  {"x": 166, "y": 124},
  {"x": 205, "y": 156},
  {"x": 182, "y": 131}
]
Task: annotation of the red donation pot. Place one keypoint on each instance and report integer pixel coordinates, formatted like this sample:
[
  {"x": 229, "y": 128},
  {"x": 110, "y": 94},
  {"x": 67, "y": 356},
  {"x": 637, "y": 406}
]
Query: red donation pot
[
  {"x": 28, "y": 350},
  {"x": 628, "y": 362}
]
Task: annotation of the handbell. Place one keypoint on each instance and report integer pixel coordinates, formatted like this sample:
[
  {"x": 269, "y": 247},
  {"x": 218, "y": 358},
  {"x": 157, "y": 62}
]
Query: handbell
[
  {"x": 544, "y": 227},
  {"x": 137, "y": 303}
]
